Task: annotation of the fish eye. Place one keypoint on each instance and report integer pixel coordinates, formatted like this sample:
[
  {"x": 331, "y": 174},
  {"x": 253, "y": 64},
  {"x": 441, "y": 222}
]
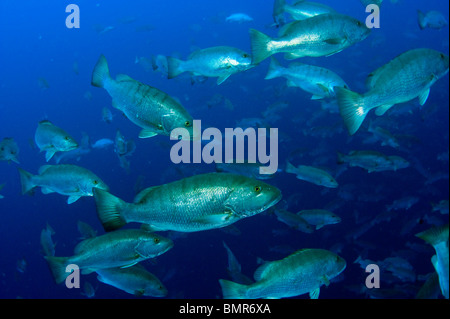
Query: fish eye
[
  {"x": 442, "y": 56},
  {"x": 66, "y": 138},
  {"x": 160, "y": 127},
  {"x": 257, "y": 189},
  {"x": 245, "y": 55},
  {"x": 187, "y": 123},
  {"x": 96, "y": 182},
  {"x": 156, "y": 240}
]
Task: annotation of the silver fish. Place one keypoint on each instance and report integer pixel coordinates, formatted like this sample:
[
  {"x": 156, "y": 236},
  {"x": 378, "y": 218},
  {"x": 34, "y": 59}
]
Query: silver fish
[
  {"x": 406, "y": 77},
  {"x": 52, "y": 139},
  {"x": 322, "y": 35},
  {"x": 196, "y": 203},
  {"x": 149, "y": 108},
  {"x": 221, "y": 62},
  {"x": 65, "y": 179}
]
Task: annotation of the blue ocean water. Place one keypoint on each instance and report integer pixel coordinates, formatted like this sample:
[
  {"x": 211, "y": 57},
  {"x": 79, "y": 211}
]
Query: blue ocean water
[{"x": 45, "y": 73}]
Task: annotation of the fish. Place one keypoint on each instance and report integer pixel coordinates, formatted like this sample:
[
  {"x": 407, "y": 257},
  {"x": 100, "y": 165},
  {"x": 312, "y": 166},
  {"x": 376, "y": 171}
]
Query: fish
[
  {"x": 322, "y": 35},
  {"x": 123, "y": 149},
  {"x": 406, "y": 77},
  {"x": 9, "y": 150},
  {"x": 47, "y": 245},
  {"x": 304, "y": 271},
  {"x": 156, "y": 112},
  {"x": 215, "y": 200},
  {"x": 437, "y": 237},
  {"x": 312, "y": 174},
  {"x": 383, "y": 135},
  {"x": 52, "y": 139},
  {"x": 372, "y": 161},
  {"x": 219, "y": 61},
  {"x": 135, "y": 280},
  {"x": 103, "y": 143},
  {"x": 432, "y": 19},
  {"x": 239, "y": 17},
  {"x": 300, "y": 10},
  {"x": 294, "y": 221},
  {"x": 88, "y": 290},
  {"x": 65, "y": 179},
  {"x": 121, "y": 248},
  {"x": 107, "y": 115},
  {"x": 1, "y": 187},
  {"x": 318, "y": 81},
  {"x": 319, "y": 217}
]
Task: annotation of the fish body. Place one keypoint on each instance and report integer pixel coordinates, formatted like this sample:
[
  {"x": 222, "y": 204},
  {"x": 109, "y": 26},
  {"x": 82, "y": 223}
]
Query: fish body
[
  {"x": 149, "y": 108},
  {"x": 438, "y": 238},
  {"x": 65, "y": 179},
  {"x": 135, "y": 280},
  {"x": 304, "y": 271},
  {"x": 9, "y": 150},
  {"x": 300, "y": 10},
  {"x": 239, "y": 17},
  {"x": 319, "y": 217},
  {"x": 318, "y": 81},
  {"x": 220, "y": 62},
  {"x": 294, "y": 221},
  {"x": 406, "y": 77},
  {"x": 52, "y": 139},
  {"x": 312, "y": 174},
  {"x": 386, "y": 138},
  {"x": 372, "y": 161},
  {"x": 196, "y": 203},
  {"x": 122, "y": 248},
  {"x": 322, "y": 35},
  {"x": 432, "y": 19}
]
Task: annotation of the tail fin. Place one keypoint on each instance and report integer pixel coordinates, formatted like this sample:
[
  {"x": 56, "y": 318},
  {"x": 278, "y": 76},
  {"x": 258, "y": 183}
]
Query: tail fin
[
  {"x": 259, "y": 43},
  {"x": 421, "y": 20},
  {"x": 232, "y": 290},
  {"x": 58, "y": 267},
  {"x": 174, "y": 68},
  {"x": 435, "y": 235},
  {"x": 26, "y": 180},
  {"x": 275, "y": 69},
  {"x": 290, "y": 168},
  {"x": 100, "y": 73},
  {"x": 352, "y": 108},
  {"x": 109, "y": 209}
]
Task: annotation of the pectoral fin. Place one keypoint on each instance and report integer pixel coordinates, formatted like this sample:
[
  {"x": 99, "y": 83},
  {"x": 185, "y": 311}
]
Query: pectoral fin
[
  {"x": 146, "y": 133},
  {"x": 72, "y": 199},
  {"x": 49, "y": 154},
  {"x": 214, "y": 219},
  {"x": 423, "y": 97},
  {"x": 314, "y": 294},
  {"x": 335, "y": 41},
  {"x": 222, "y": 79}
]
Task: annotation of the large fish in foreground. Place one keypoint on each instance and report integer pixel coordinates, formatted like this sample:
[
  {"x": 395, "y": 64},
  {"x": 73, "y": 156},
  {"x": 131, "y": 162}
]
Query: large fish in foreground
[
  {"x": 305, "y": 271},
  {"x": 220, "y": 62},
  {"x": 438, "y": 238},
  {"x": 149, "y": 108},
  {"x": 122, "y": 248},
  {"x": 65, "y": 179},
  {"x": 196, "y": 203},
  {"x": 322, "y": 35},
  {"x": 404, "y": 78},
  {"x": 51, "y": 139}
]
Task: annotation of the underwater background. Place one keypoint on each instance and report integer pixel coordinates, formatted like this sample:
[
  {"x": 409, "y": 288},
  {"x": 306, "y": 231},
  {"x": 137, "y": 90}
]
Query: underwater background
[{"x": 45, "y": 73}]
